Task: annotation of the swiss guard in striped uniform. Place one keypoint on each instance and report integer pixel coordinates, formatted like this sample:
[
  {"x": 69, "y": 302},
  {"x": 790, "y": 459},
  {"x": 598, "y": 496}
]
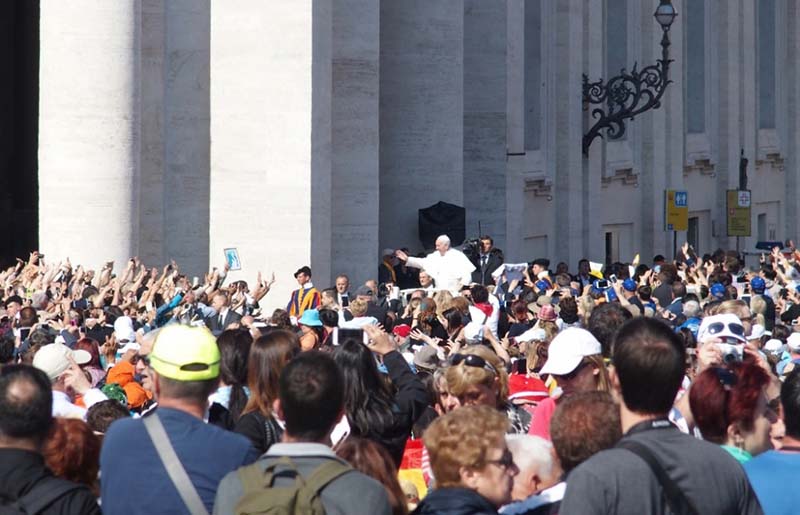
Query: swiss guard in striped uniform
[{"x": 306, "y": 297}]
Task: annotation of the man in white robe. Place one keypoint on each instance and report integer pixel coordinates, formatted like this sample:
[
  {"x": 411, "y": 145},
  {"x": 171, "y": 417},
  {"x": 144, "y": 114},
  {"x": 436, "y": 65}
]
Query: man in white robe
[{"x": 449, "y": 268}]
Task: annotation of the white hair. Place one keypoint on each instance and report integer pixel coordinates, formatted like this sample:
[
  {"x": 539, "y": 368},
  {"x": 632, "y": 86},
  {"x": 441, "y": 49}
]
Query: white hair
[
  {"x": 691, "y": 308},
  {"x": 444, "y": 239},
  {"x": 531, "y": 453}
]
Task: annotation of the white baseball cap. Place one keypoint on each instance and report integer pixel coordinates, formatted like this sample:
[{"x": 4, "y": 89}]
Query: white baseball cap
[
  {"x": 774, "y": 346},
  {"x": 721, "y": 326},
  {"x": 53, "y": 359},
  {"x": 535, "y": 334},
  {"x": 568, "y": 349},
  {"x": 757, "y": 332},
  {"x": 123, "y": 329},
  {"x": 793, "y": 342}
]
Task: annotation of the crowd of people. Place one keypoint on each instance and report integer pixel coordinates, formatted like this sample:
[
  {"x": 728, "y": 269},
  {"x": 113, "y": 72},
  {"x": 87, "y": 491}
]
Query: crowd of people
[{"x": 631, "y": 388}]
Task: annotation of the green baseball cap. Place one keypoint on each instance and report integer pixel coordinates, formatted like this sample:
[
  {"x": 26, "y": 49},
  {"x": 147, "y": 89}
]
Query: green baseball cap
[{"x": 185, "y": 353}]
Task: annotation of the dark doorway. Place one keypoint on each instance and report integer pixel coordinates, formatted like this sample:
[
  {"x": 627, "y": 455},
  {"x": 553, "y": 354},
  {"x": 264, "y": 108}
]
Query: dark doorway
[{"x": 19, "y": 128}]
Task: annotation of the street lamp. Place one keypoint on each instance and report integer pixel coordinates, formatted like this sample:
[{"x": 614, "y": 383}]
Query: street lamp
[{"x": 629, "y": 93}]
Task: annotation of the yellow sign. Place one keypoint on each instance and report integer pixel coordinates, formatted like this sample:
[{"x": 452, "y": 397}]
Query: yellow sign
[
  {"x": 676, "y": 217},
  {"x": 738, "y": 209}
]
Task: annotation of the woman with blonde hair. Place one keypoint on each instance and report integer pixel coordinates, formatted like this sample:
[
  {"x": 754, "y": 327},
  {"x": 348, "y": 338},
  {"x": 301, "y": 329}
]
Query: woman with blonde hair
[
  {"x": 575, "y": 361},
  {"x": 473, "y": 466},
  {"x": 444, "y": 301},
  {"x": 477, "y": 376}
]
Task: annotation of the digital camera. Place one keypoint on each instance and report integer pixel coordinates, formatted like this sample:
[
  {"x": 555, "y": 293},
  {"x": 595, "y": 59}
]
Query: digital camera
[{"x": 731, "y": 353}]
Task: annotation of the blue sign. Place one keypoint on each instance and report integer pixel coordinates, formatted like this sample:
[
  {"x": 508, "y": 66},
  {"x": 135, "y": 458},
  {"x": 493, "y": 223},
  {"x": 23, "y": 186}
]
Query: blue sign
[{"x": 681, "y": 199}]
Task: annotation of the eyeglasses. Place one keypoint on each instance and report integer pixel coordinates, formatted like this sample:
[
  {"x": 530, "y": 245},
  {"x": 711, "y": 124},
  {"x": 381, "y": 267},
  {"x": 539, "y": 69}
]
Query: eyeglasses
[
  {"x": 472, "y": 360},
  {"x": 143, "y": 359},
  {"x": 505, "y": 462},
  {"x": 572, "y": 375},
  {"x": 718, "y": 327}
]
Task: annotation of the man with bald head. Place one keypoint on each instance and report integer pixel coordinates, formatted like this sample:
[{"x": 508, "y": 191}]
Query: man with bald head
[
  {"x": 448, "y": 267},
  {"x": 25, "y": 421}
]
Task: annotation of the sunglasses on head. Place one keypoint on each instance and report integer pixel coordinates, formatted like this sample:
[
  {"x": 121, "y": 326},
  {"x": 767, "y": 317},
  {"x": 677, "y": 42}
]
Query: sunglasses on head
[
  {"x": 472, "y": 360},
  {"x": 718, "y": 327}
]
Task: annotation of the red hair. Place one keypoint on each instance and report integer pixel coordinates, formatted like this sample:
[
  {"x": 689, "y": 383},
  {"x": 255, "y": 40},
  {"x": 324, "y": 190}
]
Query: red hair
[
  {"x": 72, "y": 452},
  {"x": 716, "y": 403},
  {"x": 91, "y": 346}
]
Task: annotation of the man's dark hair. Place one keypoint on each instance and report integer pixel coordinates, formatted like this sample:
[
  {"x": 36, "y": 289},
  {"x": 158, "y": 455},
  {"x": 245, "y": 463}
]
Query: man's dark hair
[
  {"x": 26, "y": 403},
  {"x": 113, "y": 313},
  {"x": 27, "y": 317},
  {"x": 769, "y": 272},
  {"x": 678, "y": 290},
  {"x": 650, "y": 361},
  {"x": 569, "y": 310},
  {"x": 488, "y": 238},
  {"x": 644, "y": 292},
  {"x": 11, "y": 299},
  {"x": 329, "y": 317},
  {"x": 781, "y": 332},
  {"x": 668, "y": 273},
  {"x": 7, "y": 345},
  {"x": 658, "y": 258},
  {"x": 790, "y": 399},
  {"x": 604, "y": 322},
  {"x": 193, "y": 391},
  {"x": 311, "y": 391},
  {"x": 101, "y": 415},
  {"x": 41, "y": 336},
  {"x": 480, "y": 294}
]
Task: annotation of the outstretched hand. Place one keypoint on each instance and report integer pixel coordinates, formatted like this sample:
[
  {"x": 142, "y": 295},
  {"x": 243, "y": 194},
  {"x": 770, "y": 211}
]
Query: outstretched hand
[{"x": 380, "y": 342}]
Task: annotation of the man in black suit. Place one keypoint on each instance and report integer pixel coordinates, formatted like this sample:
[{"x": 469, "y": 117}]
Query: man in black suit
[
  {"x": 489, "y": 259},
  {"x": 224, "y": 317}
]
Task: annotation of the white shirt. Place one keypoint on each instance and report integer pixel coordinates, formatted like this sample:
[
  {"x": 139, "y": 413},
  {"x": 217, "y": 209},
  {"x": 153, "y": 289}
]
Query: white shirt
[
  {"x": 450, "y": 271},
  {"x": 357, "y": 322},
  {"x": 63, "y": 406}
]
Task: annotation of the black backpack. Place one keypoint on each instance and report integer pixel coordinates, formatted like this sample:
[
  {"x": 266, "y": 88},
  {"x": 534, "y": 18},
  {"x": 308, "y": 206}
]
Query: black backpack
[{"x": 44, "y": 493}]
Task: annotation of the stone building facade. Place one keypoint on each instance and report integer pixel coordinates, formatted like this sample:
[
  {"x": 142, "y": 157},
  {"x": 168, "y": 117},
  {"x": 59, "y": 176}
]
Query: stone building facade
[{"x": 311, "y": 132}]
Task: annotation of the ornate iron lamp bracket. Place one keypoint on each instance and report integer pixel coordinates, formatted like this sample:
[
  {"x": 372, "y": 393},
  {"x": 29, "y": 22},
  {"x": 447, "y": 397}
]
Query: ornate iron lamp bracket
[{"x": 625, "y": 96}]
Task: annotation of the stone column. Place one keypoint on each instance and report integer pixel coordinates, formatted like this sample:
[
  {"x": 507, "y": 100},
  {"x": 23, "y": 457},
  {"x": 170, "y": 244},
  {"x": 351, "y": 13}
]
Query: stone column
[
  {"x": 186, "y": 134},
  {"x": 421, "y": 113},
  {"x": 730, "y": 114},
  {"x": 271, "y": 139},
  {"x": 89, "y": 130},
  {"x": 571, "y": 180},
  {"x": 485, "y": 146},
  {"x": 791, "y": 219},
  {"x": 354, "y": 138}
]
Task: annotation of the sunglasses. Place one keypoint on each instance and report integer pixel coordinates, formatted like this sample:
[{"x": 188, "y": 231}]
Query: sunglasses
[
  {"x": 143, "y": 359},
  {"x": 718, "y": 327},
  {"x": 472, "y": 360},
  {"x": 505, "y": 462}
]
